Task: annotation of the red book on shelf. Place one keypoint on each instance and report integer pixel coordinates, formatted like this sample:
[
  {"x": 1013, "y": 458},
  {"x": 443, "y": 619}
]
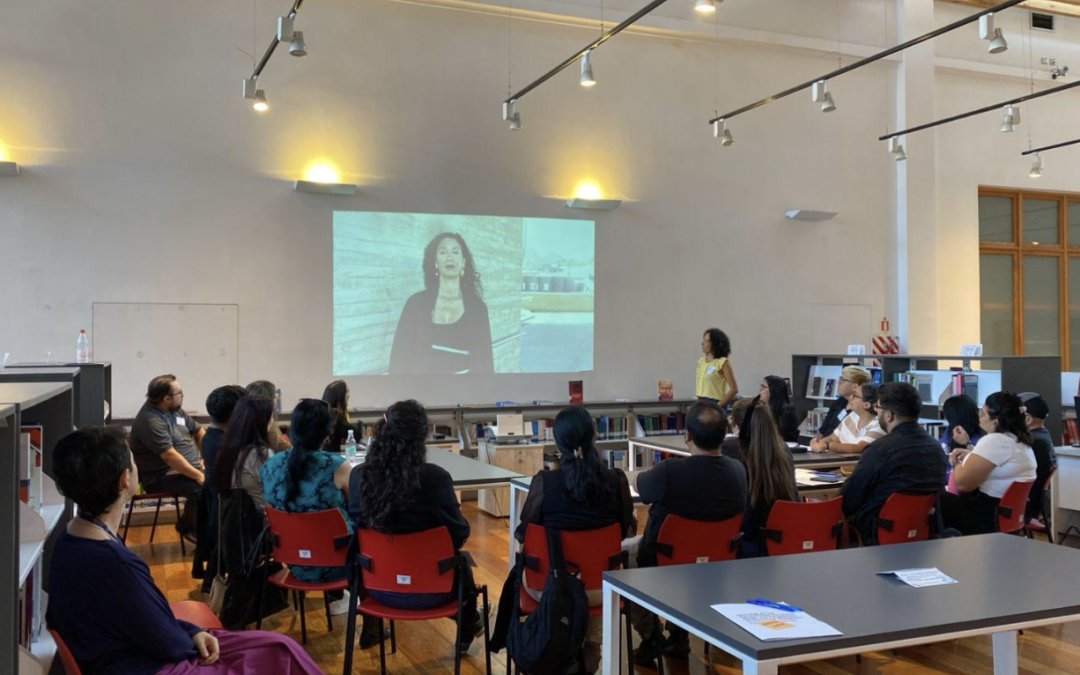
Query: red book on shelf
[
  {"x": 665, "y": 390},
  {"x": 577, "y": 391}
]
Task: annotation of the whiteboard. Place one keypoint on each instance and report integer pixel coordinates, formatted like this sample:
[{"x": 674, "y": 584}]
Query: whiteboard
[{"x": 199, "y": 343}]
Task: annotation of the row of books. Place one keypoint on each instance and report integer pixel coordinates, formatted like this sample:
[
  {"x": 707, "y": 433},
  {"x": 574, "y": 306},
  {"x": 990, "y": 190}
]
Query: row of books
[
  {"x": 823, "y": 379},
  {"x": 30, "y": 444},
  {"x": 1070, "y": 431},
  {"x": 662, "y": 424}
]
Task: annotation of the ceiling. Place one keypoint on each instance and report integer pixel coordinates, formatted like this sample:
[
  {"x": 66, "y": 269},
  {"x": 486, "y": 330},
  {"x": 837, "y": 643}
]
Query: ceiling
[{"x": 1064, "y": 7}]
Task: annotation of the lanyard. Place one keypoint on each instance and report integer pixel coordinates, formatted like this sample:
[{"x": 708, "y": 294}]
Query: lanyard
[{"x": 101, "y": 524}]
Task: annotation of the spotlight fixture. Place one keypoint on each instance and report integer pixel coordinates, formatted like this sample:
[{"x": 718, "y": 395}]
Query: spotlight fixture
[
  {"x": 515, "y": 122},
  {"x": 261, "y": 104},
  {"x": 897, "y": 149},
  {"x": 987, "y": 31},
  {"x": 1012, "y": 118},
  {"x": 1037, "y": 167},
  {"x": 998, "y": 44},
  {"x": 587, "y": 79},
  {"x": 510, "y": 115},
  {"x": 705, "y": 6},
  {"x": 820, "y": 94},
  {"x": 720, "y": 130},
  {"x": 297, "y": 47},
  {"x": 285, "y": 29}
]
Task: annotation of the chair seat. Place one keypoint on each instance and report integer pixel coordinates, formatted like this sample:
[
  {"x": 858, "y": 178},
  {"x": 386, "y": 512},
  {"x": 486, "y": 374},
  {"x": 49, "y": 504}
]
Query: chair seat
[
  {"x": 286, "y": 580},
  {"x": 152, "y": 495},
  {"x": 197, "y": 613},
  {"x": 378, "y": 610},
  {"x": 1036, "y": 526}
]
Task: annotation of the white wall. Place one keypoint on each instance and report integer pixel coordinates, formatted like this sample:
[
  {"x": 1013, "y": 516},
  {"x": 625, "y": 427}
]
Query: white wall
[{"x": 147, "y": 178}]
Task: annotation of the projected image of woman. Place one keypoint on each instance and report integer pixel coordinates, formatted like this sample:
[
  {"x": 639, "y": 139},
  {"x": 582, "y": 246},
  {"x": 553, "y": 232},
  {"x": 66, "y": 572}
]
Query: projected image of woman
[{"x": 444, "y": 328}]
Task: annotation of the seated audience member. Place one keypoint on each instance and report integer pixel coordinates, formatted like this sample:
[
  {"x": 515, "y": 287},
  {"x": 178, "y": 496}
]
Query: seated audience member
[
  {"x": 396, "y": 491},
  {"x": 219, "y": 405},
  {"x": 1036, "y": 411},
  {"x": 774, "y": 392},
  {"x": 962, "y": 416},
  {"x": 770, "y": 474},
  {"x": 850, "y": 378},
  {"x": 102, "y": 598},
  {"x": 906, "y": 459},
  {"x": 580, "y": 494},
  {"x": 732, "y": 447},
  {"x": 304, "y": 479},
  {"x": 858, "y": 429},
  {"x": 264, "y": 388},
  {"x": 336, "y": 395},
  {"x": 982, "y": 473},
  {"x": 244, "y": 448},
  {"x": 704, "y": 486},
  {"x": 165, "y": 440}
]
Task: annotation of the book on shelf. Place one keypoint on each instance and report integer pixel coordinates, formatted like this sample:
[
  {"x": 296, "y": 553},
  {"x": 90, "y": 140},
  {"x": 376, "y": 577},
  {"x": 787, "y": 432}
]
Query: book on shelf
[
  {"x": 924, "y": 383},
  {"x": 662, "y": 424},
  {"x": 665, "y": 390},
  {"x": 876, "y": 375},
  {"x": 970, "y": 387},
  {"x": 815, "y": 387},
  {"x": 830, "y": 388},
  {"x": 577, "y": 391},
  {"x": 1070, "y": 431},
  {"x": 30, "y": 444}
]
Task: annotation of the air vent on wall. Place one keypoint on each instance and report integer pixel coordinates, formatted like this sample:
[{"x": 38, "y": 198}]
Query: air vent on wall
[{"x": 1042, "y": 21}]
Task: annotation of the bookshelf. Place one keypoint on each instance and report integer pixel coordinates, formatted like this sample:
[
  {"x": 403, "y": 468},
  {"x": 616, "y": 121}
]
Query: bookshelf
[
  {"x": 91, "y": 382},
  {"x": 26, "y": 537},
  {"x": 1041, "y": 374}
]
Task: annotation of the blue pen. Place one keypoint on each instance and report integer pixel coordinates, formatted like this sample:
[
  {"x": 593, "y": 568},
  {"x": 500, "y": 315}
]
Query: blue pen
[{"x": 774, "y": 605}]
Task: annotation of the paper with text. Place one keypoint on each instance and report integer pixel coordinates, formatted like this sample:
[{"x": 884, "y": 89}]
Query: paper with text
[{"x": 769, "y": 624}]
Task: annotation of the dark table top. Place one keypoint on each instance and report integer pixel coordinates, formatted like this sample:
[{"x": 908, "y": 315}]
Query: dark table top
[
  {"x": 677, "y": 443},
  {"x": 1002, "y": 579},
  {"x": 467, "y": 472}
]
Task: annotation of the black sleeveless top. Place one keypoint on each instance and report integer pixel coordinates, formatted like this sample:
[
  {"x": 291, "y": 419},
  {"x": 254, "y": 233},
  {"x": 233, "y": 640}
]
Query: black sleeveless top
[{"x": 549, "y": 504}]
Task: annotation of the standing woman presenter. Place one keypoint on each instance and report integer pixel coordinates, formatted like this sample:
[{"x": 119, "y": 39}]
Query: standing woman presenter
[{"x": 715, "y": 379}]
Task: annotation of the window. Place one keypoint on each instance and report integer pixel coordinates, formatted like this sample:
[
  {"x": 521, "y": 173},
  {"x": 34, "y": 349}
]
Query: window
[{"x": 1029, "y": 274}]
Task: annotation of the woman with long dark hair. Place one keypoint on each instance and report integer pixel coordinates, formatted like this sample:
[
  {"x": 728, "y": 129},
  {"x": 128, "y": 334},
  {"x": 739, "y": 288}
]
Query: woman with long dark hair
[
  {"x": 266, "y": 388},
  {"x": 774, "y": 392},
  {"x": 304, "y": 479},
  {"x": 396, "y": 491},
  {"x": 963, "y": 429},
  {"x": 580, "y": 494},
  {"x": 715, "y": 378},
  {"x": 445, "y": 327},
  {"x": 336, "y": 396},
  {"x": 982, "y": 473},
  {"x": 770, "y": 473},
  {"x": 244, "y": 448}
]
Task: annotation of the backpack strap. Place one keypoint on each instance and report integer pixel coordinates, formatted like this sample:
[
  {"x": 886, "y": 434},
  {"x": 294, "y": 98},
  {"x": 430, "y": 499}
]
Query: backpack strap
[{"x": 555, "y": 553}]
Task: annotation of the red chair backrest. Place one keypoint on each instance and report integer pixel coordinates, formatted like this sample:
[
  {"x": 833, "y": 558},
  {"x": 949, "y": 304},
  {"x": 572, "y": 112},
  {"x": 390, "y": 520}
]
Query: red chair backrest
[
  {"x": 198, "y": 613},
  {"x": 1010, "y": 511},
  {"x": 587, "y": 553},
  {"x": 68, "y": 661},
  {"x": 683, "y": 541},
  {"x": 803, "y": 527},
  {"x": 905, "y": 517},
  {"x": 421, "y": 562},
  {"x": 317, "y": 539}
]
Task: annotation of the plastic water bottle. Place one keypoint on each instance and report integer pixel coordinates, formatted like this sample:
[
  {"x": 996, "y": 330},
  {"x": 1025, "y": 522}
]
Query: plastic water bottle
[
  {"x": 350, "y": 447},
  {"x": 82, "y": 348}
]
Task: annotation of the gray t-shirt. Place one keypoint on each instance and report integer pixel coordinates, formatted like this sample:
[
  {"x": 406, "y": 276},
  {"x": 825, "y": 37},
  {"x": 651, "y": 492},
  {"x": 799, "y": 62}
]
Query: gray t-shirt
[{"x": 153, "y": 432}]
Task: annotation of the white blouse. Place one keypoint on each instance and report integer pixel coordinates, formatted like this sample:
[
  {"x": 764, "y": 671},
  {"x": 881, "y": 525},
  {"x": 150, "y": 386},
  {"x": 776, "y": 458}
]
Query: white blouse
[{"x": 849, "y": 431}]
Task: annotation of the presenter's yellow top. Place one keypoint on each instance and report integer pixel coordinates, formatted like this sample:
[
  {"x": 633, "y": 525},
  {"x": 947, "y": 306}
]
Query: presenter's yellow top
[{"x": 710, "y": 382}]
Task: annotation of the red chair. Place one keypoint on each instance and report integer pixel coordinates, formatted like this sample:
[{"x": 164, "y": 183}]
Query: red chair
[
  {"x": 803, "y": 527},
  {"x": 195, "y": 612},
  {"x": 905, "y": 517},
  {"x": 185, "y": 610},
  {"x": 1010, "y": 510},
  {"x": 421, "y": 562},
  {"x": 159, "y": 496},
  {"x": 316, "y": 539},
  {"x": 586, "y": 553}
]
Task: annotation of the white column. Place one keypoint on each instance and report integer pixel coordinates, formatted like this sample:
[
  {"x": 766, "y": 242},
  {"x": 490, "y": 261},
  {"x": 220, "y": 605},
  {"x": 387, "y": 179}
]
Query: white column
[{"x": 609, "y": 648}]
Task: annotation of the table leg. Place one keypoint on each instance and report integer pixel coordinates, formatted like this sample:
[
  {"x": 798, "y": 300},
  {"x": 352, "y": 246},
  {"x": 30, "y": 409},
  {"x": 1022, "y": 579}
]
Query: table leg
[
  {"x": 760, "y": 667},
  {"x": 609, "y": 648},
  {"x": 515, "y": 517},
  {"x": 631, "y": 460},
  {"x": 1006, "y": 661}
]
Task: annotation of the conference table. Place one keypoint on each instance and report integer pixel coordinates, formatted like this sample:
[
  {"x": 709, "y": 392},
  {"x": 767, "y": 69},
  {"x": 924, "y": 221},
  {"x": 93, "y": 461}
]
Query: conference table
[
  {"x": 675, "y": 444},
  {"x": 1005, "y": 584},
  {"x": 467, "y": 474},
  {"x": 806, "y": 480}
]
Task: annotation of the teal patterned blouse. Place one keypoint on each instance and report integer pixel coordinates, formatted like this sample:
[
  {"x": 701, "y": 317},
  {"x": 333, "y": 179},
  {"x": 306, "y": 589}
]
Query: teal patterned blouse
[{"x": 316, "y": 492}]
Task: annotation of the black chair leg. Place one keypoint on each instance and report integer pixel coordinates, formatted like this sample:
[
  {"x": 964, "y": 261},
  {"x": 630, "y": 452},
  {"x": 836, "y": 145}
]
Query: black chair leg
[
  {"x": 382, "y": 649},
  {"x": 658, "y": 635},
  {"x": 295, "y": 602},
  {"x": 457, "y": 642},
  {"x": 487, "y": 629},
  {"x": 303, "y": 620},
  {"x": 153, "y": 526},
  {"x": 329, "y": 621},
  {"x": 350, "y": 630},
  {"x": 127, "y": 522},
  {"x": 393, "y": 637},
  {"x": 858, "y": 658},
  {"x": 176, "y": 503}
]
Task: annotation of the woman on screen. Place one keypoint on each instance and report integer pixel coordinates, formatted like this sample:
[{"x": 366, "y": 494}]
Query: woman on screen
[{"x": 444, "y": 328}]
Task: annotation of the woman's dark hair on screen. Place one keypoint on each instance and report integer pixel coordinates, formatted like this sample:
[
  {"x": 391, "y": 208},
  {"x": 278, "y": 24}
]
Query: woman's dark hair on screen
[
  {"x": 311, "y": 423},
  {"x": 470, "y": 283},
  {"x": 87, "y": 465},
  {"x": 390, "y": 478},
  {"x": 247, "y": 432},
  {"x": 1004, "y": 408},
  {"x": 579, "y": 462},
  {"x": 720, "y": 344},
  {"x": 961, "y": 411},
  {"x": 778, "y": 395}
]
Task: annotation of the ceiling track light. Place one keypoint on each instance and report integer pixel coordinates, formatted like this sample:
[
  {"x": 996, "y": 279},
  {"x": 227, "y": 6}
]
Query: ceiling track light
[
  {"x": 721, "y": 131},
  {"x": 512, "y": 116},
  {"x": 1037, "y": 167},
  {"x": 298, "y": 47},
  {"x": 871, "y": 59},
  {"x": 285, "y": 33},
  {"x": 1012, "y": 118},
  {"x": 261, "y": 104},
  {"x": 587, "y": 79},
  {"x": 820, "y": 94},
  {"x": 896, "y": 149},
  {"x": 987, "y": 31},
  {"x": 706, "y": 6}
]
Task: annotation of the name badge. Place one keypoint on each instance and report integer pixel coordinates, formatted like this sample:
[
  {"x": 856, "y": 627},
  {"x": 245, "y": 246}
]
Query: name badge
[
  {"x": 710, "y": 370},
  {"x": 181, "y": 421}
]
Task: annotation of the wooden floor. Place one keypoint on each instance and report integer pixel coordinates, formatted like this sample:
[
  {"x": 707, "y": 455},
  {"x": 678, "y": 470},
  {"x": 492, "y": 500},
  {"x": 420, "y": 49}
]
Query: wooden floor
[{"x": 426, "y": 647}]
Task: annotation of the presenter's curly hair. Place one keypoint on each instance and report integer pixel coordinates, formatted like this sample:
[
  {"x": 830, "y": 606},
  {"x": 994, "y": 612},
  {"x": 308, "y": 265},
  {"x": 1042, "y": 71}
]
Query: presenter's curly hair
[
  {"x": 390, "y": 478},
  {"x": 720, "y": 345},
  {"x": 470, "y": 283}
]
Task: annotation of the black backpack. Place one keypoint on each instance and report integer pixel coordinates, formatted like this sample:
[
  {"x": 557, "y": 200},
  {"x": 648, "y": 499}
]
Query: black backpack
[{"x": 550, "y": 639}]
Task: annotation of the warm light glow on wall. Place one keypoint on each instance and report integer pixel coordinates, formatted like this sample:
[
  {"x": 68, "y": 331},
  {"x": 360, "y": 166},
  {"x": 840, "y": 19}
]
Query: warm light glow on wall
[
  {"x": 322, "y": 171},
  {"x": 588, "y": 189},
  {"x": 3, "y": 153}
]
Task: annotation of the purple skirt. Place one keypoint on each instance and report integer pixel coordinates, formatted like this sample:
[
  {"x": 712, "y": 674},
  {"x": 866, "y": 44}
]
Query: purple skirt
[{"x": 253, "y": 652}]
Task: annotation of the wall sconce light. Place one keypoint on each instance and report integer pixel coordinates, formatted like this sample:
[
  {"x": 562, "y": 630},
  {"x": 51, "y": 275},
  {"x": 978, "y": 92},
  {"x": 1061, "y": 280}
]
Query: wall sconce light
[
  {"x": 587, "y": 195},
  {"x": 9, "y": 169},
  {"x": 323, "y": 178}
]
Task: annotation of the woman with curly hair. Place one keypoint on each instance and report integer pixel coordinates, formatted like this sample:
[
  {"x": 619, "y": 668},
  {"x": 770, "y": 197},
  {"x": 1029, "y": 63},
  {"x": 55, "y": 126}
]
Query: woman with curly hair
[
  {"x": 397, "y": 492},
  {"x": 445, "y": 328},
  {"x": 715, "y": 378}
]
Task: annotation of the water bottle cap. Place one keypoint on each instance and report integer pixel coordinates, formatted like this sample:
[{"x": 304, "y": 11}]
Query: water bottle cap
[{"x": 82, "y": 330}]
